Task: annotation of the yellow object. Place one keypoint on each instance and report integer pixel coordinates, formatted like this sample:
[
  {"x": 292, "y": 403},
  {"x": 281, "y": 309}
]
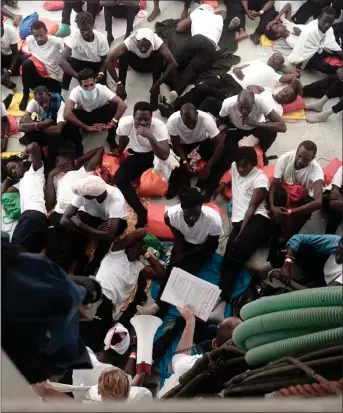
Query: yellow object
[
  {"x": 14, "y": 106},
  {"x": 6, "y": 155},
  {"x": 266, "y": 42},
  {"x": 299, "y": 114}
]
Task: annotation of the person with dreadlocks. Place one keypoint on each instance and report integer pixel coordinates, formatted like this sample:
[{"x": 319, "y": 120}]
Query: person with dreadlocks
[
  {"x": 85, "y": 49},
  {"x": 196, "y": 229}
]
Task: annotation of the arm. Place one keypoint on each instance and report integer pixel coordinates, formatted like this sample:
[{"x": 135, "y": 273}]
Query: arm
[
  {"x": 171, "y": 63},
  {"x": 315, "y": 204},
  {"x": 336, "y": 200},
  {"x": 123, "y": 142},
  {"x": 121, "y": 107},
  {"x": 218, "y": 144},
  {"x": 15, "y": 17},
  {"x": 237, "y": 71},
  {"x": 186, "y": 340},
  {"x": 115, "y": 55},
  {"x": 64, "y": 64},
  {"x": 7, "y": 186},
  {"x": 275, "y": 124},
  {"x": 155, "y": 271},
  {"x": 50, "y": 192},
  {"x": 91, "y": 159},
  {"x": 67, "y": 221},
  {"x": 160, "y": 148},
  {"x": 34, "y": 151},
  {"x": 178, "y": 149},
  {"x": 288, "y": 78},
  {"x": 5, "y": 129},
  {"x": 103, "y": 64},
  {"x": 267, "y": 6},
  {"x": 70, "y": 117},
  {"x": 14, "y": 50},
  {"x": 255, "y": 89},
  {"x": 178, "y": 237},
  {"x": 258, "y": 196},
  {"x": 129, "y": 240},
  {"x": 27, "y": 125},
  {"x": 109, "y": 233},
  {"x": 184, "y": 25}
]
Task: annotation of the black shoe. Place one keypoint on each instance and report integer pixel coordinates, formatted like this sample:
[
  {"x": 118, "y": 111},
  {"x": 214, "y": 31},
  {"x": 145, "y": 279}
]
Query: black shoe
[
  {"x": 154, "y": 101},
  {"x": 255, "y": 38},
  {"x": 110, "y": 38},
  {"x": 166, "y": 110},
  {"x": 24, "y": 102}
]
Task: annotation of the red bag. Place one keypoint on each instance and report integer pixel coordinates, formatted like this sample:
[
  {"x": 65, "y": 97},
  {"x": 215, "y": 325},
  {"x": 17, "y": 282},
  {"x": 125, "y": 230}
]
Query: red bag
[
  {"x": 330, "y": 170},
  {"x": 295, "y": 194},
  {"x": 226, "y": 179},
  {"x": 297, "y": 104},
  {"x": 53, "y": 5},
  {"x": 152, "y": 184},
  {"x": 40, "y": 67},
  {"x": 109, "y": 166},
  {"x": 259, "y": 154},
  {"x": 333, "y": 61},
  {"x": 13, "y": 125},
  {"x": 156, "y": 225}
]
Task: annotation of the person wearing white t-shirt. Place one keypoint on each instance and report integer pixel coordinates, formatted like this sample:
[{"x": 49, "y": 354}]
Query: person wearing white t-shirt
[
  {"x": 30, "y": 231},
  {"x": 97, "y": 211},
  {"x": 10, "y": 57},
  {"x": 198, "y": 55},
  {"x": 44, "y": 70},
  {"x": 144, "y": 52},
  {"x": 189, "y": 129},
  {"x": 145, "y": 137},
  {"x": 85, "y": 49},
  {"x": 196, "y": 229},
  {"x": 296, "y": 191},
  {"x": 335, "y": 203},
  {"x": 250, "y": 221},
  {"x": 94, "y": 107},
  {"x": 58, "y": 192}
]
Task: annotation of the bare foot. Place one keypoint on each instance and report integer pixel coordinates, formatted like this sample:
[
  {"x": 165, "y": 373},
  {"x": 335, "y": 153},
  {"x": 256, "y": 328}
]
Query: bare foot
[
  {"x": 154, "y": 14},
  {"x": 16, "y": 21},
  {"x": 242, "y": 36},
  {"x": 318, "y": 117},
  {"x": 184, "y": 14},
  {"x": 151, "y": 310},
  {"x": 315, "y": 107}
]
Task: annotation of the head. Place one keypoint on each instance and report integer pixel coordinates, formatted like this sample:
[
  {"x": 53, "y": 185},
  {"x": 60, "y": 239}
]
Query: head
[
  {"x": 113, "y": 384},
  {"x": 65, "y": 160},
  {"x": 286, "y": 95},
  {"x": 339, "y": 252},
  {"x": 189, "y": 115},
  {"x": 85, "y": 23},
  {"x": 277, "y": 31},
  {"x": 2, "y": 25},
  {"x": 306, "y": 152},
  {"x": 42, "y": 96},
  {"x": 90, "y": 187},
  {"x": 86, "y": 78},
  {"x": 245, "y": 102},
  {"x": 14, "y": 167},
  {"x": 225, "y": 330},
  {"x": 191, "y": 203},
  {"x": 39, "y": 32},
  {"x": 276, "y": 61},
  {"x": 143, "y": 45},
  {"x": 134, "y": 251},
  {"x": 246, "y": 160},
  {"x": 326, "y": 19},
  {"x": 142, "y": 114}
]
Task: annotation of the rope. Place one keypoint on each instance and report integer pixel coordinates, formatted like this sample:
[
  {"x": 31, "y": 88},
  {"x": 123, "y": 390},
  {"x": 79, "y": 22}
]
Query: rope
[{"x": 310, "y": 390}]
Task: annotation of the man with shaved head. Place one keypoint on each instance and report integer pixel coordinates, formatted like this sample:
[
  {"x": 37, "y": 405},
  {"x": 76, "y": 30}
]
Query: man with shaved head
[{"x": 190, "y": 128}]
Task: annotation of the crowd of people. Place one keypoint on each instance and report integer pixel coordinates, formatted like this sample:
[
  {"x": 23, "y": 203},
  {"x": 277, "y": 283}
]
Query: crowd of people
[{"x": 65, "y": 206}]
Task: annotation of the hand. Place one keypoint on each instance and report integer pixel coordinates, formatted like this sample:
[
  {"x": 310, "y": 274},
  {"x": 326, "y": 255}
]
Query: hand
[
  {"x": 218, "y": 191},
  {"x": 121, "y": 92},
  {"x": 250, "y": 14},
  {"x": 92, "y": 129},
  {"x": 105, "y": 226},
  {"x": 187, "y": 314},
  {"x": 57, "y": 170},
  {"x": 278, "y": 210},
  {"x": 116, "y": 152},
  {"x": 98, "y": 79},
  {"x": 155, "y": 89},
  {"x": 250, "y": 122},
  {"x": 296, "y": 31},
  {"x": 6, "y": 77},
  {"x": 335, "y": 195},
  {"x": 239, "y": 73},
  {"x": 143, "y": 131},
  {"x": 256, "y": 13},
  {"x": 188, "y": 168},
  {"x": 285, "y": 275},
  {"x": 177, "y": 258},
  {"x": 75, "y": 219},
  {"x": 270, "y": 24},
  {"x": 205, "y": 172},
  {"x": 104, "y": 126},
  {"x": 16, "y": 21}
]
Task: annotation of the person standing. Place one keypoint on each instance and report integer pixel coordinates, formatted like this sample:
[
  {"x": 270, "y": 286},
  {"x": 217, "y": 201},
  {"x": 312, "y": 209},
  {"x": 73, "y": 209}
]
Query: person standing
[
  {"x": 145, "y": 137},
  {"x": 46, "y": 52},
  {"x": 85, "y": 49}
]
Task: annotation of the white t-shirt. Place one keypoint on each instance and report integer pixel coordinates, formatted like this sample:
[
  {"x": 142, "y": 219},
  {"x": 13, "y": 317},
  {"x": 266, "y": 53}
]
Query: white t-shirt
[
  {"x": 49, "y": 54},
  {"x": 34, "y": 107},
  {"x": 292, "y": 39},
  {"x": 260, "y": 109},
  {"x": 337, "y": 179},
  {"x": 267, "y": 96},
  {"x": 332, "y": 270},
  {"x": 88, "y": 51},
  {"x": 10, "y": 37},
  {"x": 258, "y": 73},
  {"x": 62, "y": 184},
  {"x": 31, "y": 190},
  {"x": 103, "y": 96},
  {"x": 3, "y": 110},
  {"x": 131, "y": 42},
  {"x": 305, "y": 177},
  {"x": 136, "y": 142},
  {"x": 242, "y": 192},
  {"x": 114, "y": 205},
  {"x": 118, "y": 277},
  {"x": 208, "y": 224},
  {"x": 205, "y": 128},
  {"x": 207, "y": 23}
]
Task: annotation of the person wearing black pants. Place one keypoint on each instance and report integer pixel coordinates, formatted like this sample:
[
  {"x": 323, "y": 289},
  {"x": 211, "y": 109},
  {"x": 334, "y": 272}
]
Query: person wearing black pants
[
  {"x": 145, "y": 52},
  {"x": 250, "y": 221},
  {"x": 128, "y": 10},
  {"x": 86, "y": 49},
  {"x": 311, "y": 8},
  {"x": 333, "y": 203},
  {"x": 145, "y": 137},
  {"x": 196, "y": 229}
]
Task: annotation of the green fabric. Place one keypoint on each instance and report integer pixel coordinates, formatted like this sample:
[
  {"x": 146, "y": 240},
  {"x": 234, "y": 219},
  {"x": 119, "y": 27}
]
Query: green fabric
[
  {"x": 63, "y": 31},
  {"x": 153, "y": 242},
  {"x": 11, "y": 205}
]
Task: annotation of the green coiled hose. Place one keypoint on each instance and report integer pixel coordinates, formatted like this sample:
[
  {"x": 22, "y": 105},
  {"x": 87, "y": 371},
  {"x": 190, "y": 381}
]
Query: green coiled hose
[
  {"x": 320, "y": 318},
  {"x": 273, "y": 351},
  {"x": 314, "y": 297}
]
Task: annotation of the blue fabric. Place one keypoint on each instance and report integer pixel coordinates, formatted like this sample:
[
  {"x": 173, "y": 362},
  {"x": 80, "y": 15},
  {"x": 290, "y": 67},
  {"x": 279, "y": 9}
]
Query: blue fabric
[
  {"x": 210, "y": 272},
  {"x": 55, "y": 103},
  {"x": 325, "y": 244},
  {"x": 25, "y": 25}
]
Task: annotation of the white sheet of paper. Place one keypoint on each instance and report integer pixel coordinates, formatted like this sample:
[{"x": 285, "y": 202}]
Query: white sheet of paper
[{"x": 184, "y": 289}]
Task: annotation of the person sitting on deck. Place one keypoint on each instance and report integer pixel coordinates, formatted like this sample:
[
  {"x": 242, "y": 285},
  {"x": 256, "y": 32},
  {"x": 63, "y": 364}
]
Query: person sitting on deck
[
  {"x": 10, "y": 57},
  {"x": 333, "y": 203}
]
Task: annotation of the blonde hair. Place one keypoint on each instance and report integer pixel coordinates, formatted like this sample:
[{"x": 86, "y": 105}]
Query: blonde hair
[{"x": 113, "y": 384}]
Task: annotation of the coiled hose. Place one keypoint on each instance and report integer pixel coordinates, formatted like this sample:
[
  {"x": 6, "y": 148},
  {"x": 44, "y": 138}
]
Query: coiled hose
[{"x": 314, "y": 297}]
